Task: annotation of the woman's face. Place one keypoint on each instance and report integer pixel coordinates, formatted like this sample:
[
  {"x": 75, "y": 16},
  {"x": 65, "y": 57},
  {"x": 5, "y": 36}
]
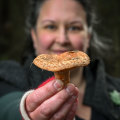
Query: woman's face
[{"x": 61, "y": 26}]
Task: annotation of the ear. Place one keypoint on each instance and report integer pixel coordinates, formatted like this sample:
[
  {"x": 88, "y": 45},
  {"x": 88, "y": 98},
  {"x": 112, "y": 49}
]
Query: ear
[{"x": 34, "y": 38}]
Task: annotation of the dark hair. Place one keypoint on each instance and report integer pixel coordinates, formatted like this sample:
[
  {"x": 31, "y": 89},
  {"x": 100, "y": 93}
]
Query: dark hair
[
  {"x": 33, "y": 12},
  {"x": 31, "y": 19}
]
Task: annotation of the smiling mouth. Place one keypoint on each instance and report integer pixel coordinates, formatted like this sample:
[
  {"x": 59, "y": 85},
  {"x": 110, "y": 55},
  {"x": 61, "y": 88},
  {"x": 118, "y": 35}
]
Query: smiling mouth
[{"x": 59, "y": 51}]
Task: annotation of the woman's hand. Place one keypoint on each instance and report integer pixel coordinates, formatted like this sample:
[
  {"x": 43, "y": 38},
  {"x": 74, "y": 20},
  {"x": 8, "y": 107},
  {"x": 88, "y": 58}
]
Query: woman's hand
[{"x": 52, "y": 102}]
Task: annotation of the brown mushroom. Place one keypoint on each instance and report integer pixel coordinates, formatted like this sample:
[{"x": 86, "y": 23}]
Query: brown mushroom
[{"x": 61, "y": 64}]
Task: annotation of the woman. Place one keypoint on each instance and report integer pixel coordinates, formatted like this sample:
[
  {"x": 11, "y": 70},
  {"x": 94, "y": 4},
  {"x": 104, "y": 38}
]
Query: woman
[{"x": 58, "y": 26}]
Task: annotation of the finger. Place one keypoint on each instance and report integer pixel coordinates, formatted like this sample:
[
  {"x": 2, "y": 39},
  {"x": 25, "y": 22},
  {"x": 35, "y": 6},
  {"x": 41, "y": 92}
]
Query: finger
[
  {"x": 53, "y": 104},
  {"x": 71, "y": 114},
  {"x": 43, "y": 93},
  {"x": 65, "y": 109}
]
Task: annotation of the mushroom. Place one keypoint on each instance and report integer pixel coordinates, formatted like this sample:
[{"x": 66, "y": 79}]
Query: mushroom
[{"x": 61, "y": 64}]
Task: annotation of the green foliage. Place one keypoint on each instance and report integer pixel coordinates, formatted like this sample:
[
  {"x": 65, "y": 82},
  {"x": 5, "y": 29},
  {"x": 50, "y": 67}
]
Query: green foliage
[{"x": 115, "y": 97}]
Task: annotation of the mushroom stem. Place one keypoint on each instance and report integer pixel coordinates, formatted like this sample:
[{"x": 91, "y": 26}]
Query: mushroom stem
[{"x": 63, "y": 75}]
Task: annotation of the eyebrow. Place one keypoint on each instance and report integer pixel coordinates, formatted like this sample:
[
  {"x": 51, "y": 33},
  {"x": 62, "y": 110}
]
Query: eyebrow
[
  {"x": 44, "y": 21},
  {"x": 75, "y": 21},
  {"x": 71, "y": 22}
]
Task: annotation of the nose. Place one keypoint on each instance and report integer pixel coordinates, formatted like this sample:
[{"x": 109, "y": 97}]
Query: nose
[{"x": 62, "y": 36}]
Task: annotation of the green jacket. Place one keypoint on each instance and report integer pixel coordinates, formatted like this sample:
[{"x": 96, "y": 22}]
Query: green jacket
[{"x": 9, "y": 105}]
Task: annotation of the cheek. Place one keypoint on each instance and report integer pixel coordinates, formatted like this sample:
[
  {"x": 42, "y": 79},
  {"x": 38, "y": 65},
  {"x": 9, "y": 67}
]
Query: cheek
[
  {"x": 79, "y": 42},
  {"x": 45, "y": 41}
]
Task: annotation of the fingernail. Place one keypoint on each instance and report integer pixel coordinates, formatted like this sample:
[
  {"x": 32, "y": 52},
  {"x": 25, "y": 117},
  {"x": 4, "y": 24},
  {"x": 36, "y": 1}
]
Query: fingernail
[
  {"x": 74, "y": 97},
  {"x": 58, "y": 85},
  {"x": 70, "y": 89}
]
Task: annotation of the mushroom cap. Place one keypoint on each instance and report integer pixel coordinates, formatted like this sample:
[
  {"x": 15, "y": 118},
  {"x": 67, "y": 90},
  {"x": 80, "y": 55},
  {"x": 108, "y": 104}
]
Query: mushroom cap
[{"x": 64, "y": 61}]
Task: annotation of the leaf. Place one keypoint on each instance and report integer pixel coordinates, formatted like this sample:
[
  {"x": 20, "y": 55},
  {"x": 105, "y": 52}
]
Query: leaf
[{"x": 115, "y": 97}]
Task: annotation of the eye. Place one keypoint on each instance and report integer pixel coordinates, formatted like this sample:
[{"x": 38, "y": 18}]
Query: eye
[
  {"x": 50, "y": 27},
  {"x": 75, "y": 28}
]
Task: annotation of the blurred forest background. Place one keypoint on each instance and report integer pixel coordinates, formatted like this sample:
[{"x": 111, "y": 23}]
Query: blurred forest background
[{"x": 12, "y": 30}]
